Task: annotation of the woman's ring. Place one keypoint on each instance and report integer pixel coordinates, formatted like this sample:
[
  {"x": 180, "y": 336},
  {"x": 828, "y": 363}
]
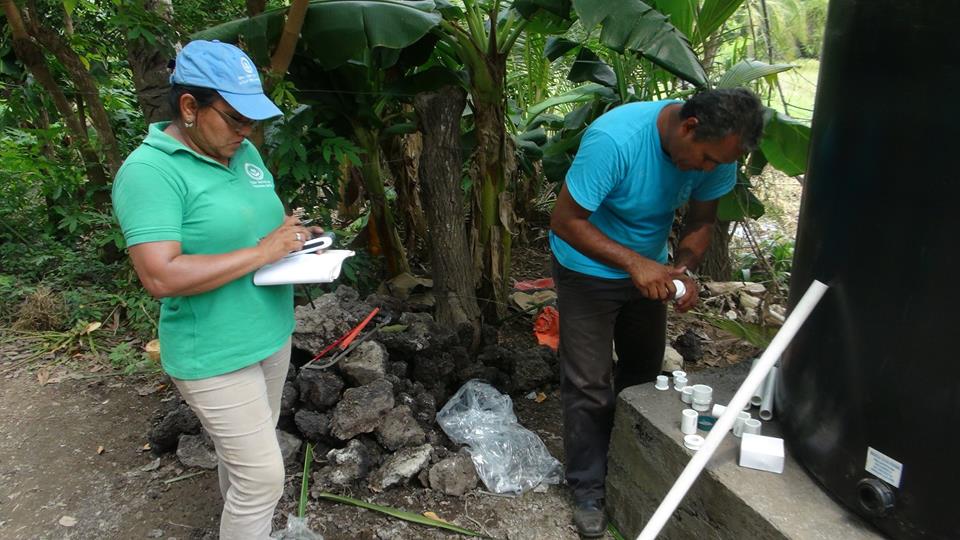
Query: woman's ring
[{"x": 298, "y": 237}]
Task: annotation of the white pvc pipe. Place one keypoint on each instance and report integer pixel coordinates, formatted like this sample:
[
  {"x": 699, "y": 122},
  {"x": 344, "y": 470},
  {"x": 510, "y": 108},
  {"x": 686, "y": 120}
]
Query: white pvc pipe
[
  {"x": 723, "y": 424},
  {"x": 757, "y": 396},
  {"x": 769, "y": 390}
]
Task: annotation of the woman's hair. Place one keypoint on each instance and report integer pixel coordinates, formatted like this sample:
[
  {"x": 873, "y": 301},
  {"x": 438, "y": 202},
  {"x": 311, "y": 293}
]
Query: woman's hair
[
  {"x": 204, "y": 96},
  {"x": 726, "y": 111}
]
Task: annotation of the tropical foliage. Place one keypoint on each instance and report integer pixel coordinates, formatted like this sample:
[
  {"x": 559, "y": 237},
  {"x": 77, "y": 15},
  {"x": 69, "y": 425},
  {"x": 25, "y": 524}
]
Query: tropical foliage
[{"x": 80, "y": 80}]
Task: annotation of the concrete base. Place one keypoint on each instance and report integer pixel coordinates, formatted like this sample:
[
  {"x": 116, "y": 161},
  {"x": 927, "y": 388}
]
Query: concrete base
[{"x": 727, "y": 501}]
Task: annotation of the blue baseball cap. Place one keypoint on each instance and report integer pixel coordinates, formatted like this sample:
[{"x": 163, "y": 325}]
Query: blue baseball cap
[{"x": 228, "y": 70}]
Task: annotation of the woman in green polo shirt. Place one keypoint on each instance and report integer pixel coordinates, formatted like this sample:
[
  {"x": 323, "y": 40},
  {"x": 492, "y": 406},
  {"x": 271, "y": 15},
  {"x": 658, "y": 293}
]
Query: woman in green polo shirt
[{"x": 200, "y": 215}]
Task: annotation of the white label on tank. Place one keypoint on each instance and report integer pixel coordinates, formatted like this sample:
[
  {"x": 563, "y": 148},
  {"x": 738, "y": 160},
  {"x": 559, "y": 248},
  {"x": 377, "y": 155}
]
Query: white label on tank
[{"x": 884, "y": 467}]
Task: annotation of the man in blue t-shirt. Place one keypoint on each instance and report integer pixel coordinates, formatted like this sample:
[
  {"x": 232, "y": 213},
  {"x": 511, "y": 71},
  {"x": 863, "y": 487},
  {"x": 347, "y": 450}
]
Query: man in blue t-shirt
[{"x": 636, "y": 165}]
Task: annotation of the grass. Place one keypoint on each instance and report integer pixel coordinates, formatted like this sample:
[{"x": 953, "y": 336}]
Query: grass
[{"x": 799, "y": 88}]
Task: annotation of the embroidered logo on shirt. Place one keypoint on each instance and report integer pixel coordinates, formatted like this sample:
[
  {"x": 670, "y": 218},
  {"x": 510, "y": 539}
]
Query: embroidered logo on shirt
[{"x": 257, "y": 178}]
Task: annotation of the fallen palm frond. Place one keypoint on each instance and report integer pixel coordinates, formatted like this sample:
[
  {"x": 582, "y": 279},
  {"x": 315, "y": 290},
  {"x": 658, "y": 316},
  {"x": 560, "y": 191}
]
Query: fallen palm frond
[
  {"x": 756, "y": 335},
  {"x": 400, "y": 514},
  {"x": 304, "y": 485}
]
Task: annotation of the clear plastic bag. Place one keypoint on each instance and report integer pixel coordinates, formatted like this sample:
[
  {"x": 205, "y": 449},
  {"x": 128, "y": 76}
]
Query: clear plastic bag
[
  {"x": 297, "y": 529},
  {"x": 509, "y": 458}
]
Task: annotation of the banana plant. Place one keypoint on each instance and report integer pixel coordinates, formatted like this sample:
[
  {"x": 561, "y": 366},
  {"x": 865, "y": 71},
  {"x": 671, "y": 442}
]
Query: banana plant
[{"x": 348, "y": 52}]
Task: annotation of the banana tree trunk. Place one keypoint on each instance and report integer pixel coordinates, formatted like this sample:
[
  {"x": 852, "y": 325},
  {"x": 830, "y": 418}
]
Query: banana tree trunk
[
  {"x": 716, "y": 263},
  {"x": 454, "y": 277},
  {"x": 493, "y": 211},
  {"x": 382, "y": 229}
]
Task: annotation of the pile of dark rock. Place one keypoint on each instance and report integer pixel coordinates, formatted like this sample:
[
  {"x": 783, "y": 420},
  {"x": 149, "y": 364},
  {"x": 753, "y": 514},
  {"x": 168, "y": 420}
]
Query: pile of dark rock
[{"x": 371, "y": 416}]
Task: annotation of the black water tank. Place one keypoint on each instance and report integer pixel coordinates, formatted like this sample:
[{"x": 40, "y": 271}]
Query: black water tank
[{"x": 870, "y": 389}]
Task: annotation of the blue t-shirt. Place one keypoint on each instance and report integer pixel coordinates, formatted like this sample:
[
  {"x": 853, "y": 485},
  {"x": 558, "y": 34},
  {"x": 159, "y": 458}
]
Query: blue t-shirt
[{"x": 622, "y": 175}]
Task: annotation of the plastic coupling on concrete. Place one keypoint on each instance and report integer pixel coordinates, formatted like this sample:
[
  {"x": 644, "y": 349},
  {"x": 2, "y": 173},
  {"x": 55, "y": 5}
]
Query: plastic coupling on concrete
[
  {"x": 769, "y": 387},
  {"x": 742, "y": 417},
  {"x": 702, "y": 396},
  {"x": 752, "y": 426},
  {"x": 688, "y": 421},
  {"x": 717, "y": 410},
  {"x": 686, "y": 395},
  {"x": 679, "y": 383},
  {"x": 662, "y": 383}
]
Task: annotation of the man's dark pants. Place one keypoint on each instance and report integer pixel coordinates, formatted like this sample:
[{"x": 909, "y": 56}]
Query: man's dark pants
[{"x": 594, "y": 313}]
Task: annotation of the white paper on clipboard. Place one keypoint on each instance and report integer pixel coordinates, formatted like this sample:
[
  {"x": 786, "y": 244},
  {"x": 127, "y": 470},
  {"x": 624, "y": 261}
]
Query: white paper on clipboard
[{"x": 318, "y": 267}]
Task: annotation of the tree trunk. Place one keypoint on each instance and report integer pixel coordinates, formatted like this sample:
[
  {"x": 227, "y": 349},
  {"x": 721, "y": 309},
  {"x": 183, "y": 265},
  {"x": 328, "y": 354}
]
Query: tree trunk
[
  {"x": 149, "y": 64},
  {"x": 255, "y": 7},
  {"x": 493, "y": 218},
  {"x": 384, "y": 239},
  {"x": 716, "y": 261},
  {"x": 454, "y": 278},
  {"x": 403, "y": 153},
  {"x": 87, "y": 86},
  {"x": 32, "y": 57}
]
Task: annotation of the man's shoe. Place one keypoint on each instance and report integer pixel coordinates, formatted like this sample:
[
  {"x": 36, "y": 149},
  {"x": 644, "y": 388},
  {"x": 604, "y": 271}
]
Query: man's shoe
[{"x": 590, "y": 519}]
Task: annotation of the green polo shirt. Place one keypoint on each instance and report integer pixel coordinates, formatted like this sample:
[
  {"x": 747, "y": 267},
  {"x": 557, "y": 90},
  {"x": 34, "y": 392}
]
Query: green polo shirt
[{"x": 167, "y": 192}]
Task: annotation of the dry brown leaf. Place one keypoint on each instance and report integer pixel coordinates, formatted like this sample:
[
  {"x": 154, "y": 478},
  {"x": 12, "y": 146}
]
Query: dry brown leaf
[
  {"x": 541, "y": 397},
  {"x": 68, "y": 521},
  {"x": 145, "y": 447},
  {"x": 43, "y": 375},
  {"x": 433, "y": 515},
  {"x": 91, "y": 327},
  {"x": 100, "y": 450}
]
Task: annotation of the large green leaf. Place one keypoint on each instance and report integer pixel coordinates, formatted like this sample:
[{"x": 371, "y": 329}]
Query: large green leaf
[
  {"x": 580, "y": 94},
  {"x": 631, "y": 25},
  {"x": 529, "y": 8},
  {"x": 682, "y": 13},
  {"x": 785, "y": 143},
  {"x": 739, "y": 204},
  {"x": 588, "y": 67},
  {"x": 749, "y": 70},
  {"x": 337, "y": 31},
  {"x": 713, "y": 13},
  {"x": 557, "y": 47}
]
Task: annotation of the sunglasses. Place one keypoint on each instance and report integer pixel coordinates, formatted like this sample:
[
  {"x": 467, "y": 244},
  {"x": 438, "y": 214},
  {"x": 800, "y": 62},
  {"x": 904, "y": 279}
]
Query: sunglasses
[{"x": 235, "y": 123}]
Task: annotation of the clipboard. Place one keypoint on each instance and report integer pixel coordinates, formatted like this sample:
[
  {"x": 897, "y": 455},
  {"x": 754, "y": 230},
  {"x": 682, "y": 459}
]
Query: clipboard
[{"x": 317, "y": 267}]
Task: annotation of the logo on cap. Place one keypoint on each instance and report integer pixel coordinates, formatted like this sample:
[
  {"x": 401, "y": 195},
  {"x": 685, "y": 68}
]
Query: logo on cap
[{"x": 245, "y": 64}]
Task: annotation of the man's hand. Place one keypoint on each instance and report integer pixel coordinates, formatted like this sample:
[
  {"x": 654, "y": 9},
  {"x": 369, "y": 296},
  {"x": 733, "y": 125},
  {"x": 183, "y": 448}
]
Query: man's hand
[
  {"x": 654, "y": 280},
  {"x": 688, "y": 300}
]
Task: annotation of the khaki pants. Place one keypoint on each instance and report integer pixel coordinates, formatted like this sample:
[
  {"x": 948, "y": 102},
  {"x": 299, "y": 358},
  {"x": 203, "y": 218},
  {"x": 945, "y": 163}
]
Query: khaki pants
[{"x": 240, "y": 410}]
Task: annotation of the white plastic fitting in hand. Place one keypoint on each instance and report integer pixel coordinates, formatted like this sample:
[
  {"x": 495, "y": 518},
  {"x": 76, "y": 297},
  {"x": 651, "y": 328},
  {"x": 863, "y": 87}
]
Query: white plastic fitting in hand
[
  {"x": 769, "y": 388},
  {"x": 688, "y": 421},
  {"x": 752, "y": 426},
  {"x": 686, "y": 395},
  {"x": 742, "y": 417},
  {"x": 717, "y": 410},
  {"x": 679, "y": 383},
  {"x": 702, "y": 395},
  {"x": 662, "y": 383},
  {"x": 681, "y": 289}
]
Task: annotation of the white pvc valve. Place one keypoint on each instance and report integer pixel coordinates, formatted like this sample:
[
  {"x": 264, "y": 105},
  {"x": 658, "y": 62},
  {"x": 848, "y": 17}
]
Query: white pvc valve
[
  {"x": 662, "y": 383},
  {"x": 752, "y": 426},
  {"x": 686, "y": 395},
  {"x": 742, "y": 417},
  {"x": 681, "y": 289},
  {"x": 688, "y": 421}
]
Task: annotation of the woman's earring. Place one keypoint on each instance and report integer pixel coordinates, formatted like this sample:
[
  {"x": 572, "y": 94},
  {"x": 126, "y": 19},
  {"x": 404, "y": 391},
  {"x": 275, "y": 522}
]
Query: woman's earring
[{"x": 189, "y": 123}]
